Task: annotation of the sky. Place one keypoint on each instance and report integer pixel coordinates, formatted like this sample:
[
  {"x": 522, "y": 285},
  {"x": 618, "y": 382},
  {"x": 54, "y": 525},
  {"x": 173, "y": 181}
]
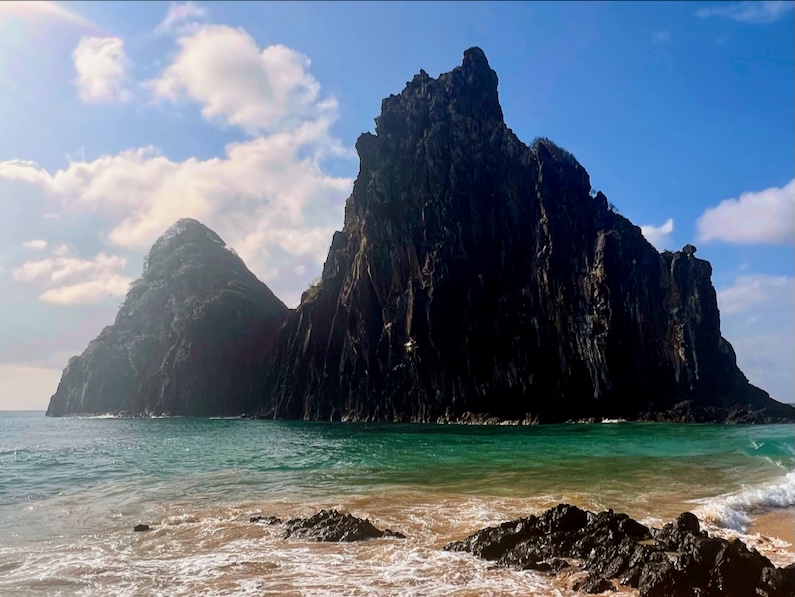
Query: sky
[{"x": 120, "y": 118}]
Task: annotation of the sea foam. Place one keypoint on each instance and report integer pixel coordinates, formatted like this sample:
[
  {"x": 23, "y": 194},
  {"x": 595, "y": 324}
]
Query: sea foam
[{"x": 732, "y": 511}]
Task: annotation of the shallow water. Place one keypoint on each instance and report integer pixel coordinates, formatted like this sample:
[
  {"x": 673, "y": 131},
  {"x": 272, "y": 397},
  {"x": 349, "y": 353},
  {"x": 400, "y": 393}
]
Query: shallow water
[{"x": 72, "y": 489}]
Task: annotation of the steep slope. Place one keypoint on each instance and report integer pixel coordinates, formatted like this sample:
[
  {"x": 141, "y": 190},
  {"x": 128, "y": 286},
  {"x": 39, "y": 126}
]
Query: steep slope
[
  {"x": 190, "y": 339},
  {"x": 477, "y": 277}
]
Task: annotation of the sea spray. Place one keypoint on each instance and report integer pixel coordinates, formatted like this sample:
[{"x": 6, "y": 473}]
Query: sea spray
[{"x": 732, "y": 511}]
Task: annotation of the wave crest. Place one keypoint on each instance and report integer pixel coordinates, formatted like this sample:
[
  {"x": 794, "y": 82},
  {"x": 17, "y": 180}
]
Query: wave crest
[{"x": 733, "y": 511}]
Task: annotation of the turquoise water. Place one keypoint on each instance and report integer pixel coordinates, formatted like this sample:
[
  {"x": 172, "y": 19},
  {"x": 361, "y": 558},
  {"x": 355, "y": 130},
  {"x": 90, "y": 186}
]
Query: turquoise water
[{"x": 85, "y": 482}]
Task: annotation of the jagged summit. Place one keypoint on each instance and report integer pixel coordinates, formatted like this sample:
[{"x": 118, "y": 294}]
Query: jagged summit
[
  {"x": 474, "y": 57},
  {"x": 469, "y": 90},
  {"x": 184, "y": 232}
]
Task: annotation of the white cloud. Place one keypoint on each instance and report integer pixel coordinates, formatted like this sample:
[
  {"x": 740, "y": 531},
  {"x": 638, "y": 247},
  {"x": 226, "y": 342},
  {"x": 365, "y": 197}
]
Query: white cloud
[
  {"x": 756, "y": 291},
  {"x": 34, "y": 10},
  {"x": 71, "y": 280},
  {"x": 275, "y": 208},
  {"x": 35, "y": 245},
  {"x": 101, "y": 65},
  {"x": 756, "y": 12},
  {"x": 86, "y": 293},
  {"x": 268, "y": 197},
  {"x": 235, "y": 82},
  {"x": 659, "y": 236},
  {"x": 764, "y": 217},
  {"x": 178, "y": 14}
]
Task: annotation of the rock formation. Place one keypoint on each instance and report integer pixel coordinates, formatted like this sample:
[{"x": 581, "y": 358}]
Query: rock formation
[
  {"x": 475, "y": 278},
  {"x": 334, "y": 526},
  {"x": 188, "y": 340},
  {"x": 678, "y": 560}
]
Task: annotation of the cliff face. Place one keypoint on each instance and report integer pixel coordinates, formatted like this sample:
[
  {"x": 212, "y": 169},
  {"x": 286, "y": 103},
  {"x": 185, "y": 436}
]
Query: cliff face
[
  {"x": 478, "y": 277},
  {"x": 190, "y": 339}
]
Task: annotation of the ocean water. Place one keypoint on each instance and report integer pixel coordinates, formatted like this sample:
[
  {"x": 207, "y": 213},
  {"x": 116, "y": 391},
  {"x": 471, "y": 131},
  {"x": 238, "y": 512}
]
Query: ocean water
[{"x": 71, "y": 491}]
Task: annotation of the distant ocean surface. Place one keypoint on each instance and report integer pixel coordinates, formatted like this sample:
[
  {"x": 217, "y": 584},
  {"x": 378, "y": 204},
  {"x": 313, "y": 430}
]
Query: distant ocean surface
[{"x": 71, "y": 491}]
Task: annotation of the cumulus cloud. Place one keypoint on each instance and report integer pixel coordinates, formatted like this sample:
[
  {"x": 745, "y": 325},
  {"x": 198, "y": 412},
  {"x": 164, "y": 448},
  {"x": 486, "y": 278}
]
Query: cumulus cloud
[
  {"x": 267, "y": 196},
  {"x": 754, "y": 291},
  {"x": 72, "y": 280},
  {"x": 235, "y": 82},
  {"x": 261, "y": 197},
  {"x": 35, "y": 10},
  {"x": 659, "y": 236},
  {"x": 35, "y": 245},
  {"x": 101, "y": 65},
  {"x": 764, "y": 217},
  {"x": 180, "y": 13},
  {"x": 753, "y": 12}
]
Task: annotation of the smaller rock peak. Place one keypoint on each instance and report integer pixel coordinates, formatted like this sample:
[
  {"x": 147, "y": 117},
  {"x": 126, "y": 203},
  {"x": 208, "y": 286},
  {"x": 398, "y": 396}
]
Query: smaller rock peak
[
  {"x": 184, "y": 231},
  {"x": 184, "y": 225}
]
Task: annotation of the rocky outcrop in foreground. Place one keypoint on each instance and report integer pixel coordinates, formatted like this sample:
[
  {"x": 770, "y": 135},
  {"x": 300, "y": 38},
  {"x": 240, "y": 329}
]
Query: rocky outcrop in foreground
[
  {"x": 678, "y": 560},
  {"x": 190, "y": 339},
  {"x": 475, "y": 279},
  {"x": 330, "y": 526}
]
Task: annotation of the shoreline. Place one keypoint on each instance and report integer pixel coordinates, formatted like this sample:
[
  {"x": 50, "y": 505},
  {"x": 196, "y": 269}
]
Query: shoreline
[
  {"x": 214, "y": 533},
  {"x": 478, "y": 421},
  {"x": 776, "y": 523}
]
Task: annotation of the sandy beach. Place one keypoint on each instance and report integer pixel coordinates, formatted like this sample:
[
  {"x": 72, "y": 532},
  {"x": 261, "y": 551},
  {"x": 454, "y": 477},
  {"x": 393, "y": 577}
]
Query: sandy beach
[{"x": 778, "y": 523}]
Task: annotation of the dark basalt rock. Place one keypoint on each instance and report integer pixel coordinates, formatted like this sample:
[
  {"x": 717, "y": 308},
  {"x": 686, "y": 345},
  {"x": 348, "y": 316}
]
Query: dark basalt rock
[
  {"x": 680, "y": 561},
  {"x": 479, "y": 279},
  {"x": 140, "y": 528},
  {"x": 269, "y": 520},
  {"x": 593, "y": 584},
  {"x": 192, "y": 337},
  {"x": 331, "y": 525}
]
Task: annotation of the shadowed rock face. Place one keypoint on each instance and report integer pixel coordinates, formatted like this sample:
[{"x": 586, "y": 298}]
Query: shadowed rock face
[
  {"x": 478, "y": 277},
  {"x": 190, "y": 339}
]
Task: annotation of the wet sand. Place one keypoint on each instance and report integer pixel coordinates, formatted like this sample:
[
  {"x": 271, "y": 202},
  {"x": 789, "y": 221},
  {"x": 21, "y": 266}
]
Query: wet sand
[
  {"x": 195, "y": 550},
  {"x": 778, "y": 523}
]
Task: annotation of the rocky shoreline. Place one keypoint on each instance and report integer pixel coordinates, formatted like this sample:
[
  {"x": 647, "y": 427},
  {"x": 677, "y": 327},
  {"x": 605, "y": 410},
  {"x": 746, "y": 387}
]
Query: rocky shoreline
[
  {"x": 678, "y": 560},
  {"x": 594, "y": 552},
  {"x": 683, "y": 412}
]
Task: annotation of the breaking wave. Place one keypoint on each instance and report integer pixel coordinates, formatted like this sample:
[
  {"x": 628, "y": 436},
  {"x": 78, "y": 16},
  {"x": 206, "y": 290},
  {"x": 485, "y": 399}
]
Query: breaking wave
[{"x": 733, "y": 511}]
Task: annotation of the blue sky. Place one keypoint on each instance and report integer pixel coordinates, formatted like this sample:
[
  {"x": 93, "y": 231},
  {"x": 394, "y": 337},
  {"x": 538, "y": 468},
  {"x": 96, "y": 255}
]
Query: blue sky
[{"x": 119, "y": 118}]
